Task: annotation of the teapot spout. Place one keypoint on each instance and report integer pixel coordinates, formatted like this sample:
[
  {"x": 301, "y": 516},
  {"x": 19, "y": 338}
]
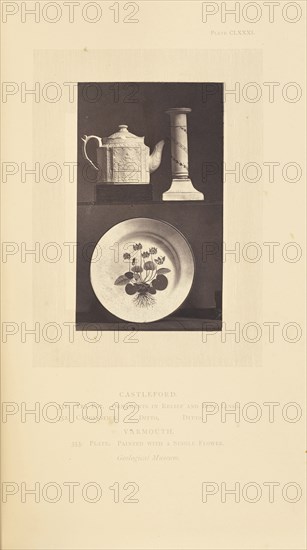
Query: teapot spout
[{"x": 155, "y": 157}]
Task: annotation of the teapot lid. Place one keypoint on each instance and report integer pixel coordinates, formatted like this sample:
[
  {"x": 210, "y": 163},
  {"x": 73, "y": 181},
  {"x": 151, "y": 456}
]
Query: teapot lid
[{"x": 123, "y": 134}]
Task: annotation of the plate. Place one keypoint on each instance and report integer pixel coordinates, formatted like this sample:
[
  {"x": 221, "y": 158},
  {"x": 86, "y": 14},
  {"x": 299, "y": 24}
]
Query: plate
[{"x": 142, "y": 270}]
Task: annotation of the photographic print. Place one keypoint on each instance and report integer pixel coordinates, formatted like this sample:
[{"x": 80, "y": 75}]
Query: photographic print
[
  {"x": 149, "y": 219},
  {"x": 153, "y": 272}
]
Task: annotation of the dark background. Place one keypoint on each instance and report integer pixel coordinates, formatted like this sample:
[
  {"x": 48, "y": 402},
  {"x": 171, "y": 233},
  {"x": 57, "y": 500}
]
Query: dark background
[
  {"x": 101, "y": 108},
  {"x": 142, "y": 106}
]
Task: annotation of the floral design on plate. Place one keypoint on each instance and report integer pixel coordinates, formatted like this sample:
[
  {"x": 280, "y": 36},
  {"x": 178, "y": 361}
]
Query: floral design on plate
[
  {"x": 144, "y": 277},
  {"x": 127, "y": 266}
]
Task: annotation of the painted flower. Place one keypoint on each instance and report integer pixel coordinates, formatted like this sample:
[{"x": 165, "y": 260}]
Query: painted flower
[
  {"x": 143, "y": 280},
  {"x": 160, "y": 260}
]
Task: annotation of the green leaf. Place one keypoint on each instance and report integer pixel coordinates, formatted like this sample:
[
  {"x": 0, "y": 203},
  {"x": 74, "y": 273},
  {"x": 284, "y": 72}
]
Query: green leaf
[
  {"x": 163, "y": 270},
  {"x": 122, "y": 280}
]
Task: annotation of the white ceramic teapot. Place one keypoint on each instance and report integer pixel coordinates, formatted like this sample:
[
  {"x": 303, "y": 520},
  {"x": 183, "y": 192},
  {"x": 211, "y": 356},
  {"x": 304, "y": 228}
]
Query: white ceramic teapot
[{"x": 123, "y": 158}]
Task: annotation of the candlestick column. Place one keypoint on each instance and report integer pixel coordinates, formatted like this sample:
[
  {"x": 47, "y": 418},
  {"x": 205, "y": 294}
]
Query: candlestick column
[{"x": 181, "y": 187}]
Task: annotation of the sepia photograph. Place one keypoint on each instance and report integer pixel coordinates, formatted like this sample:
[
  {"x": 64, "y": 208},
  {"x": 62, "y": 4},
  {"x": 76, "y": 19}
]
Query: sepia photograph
[
  {"x": 150, "y": 206},
  {"x": 153, "y": 270}
]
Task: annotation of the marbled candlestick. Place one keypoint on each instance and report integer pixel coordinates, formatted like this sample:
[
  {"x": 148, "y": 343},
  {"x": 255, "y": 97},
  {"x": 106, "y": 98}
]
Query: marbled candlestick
[{"x": 181, "y": 188}]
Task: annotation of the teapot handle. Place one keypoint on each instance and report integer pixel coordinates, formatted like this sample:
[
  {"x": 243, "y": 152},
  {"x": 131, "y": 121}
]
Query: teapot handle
[{"x": 86, "y": 139}]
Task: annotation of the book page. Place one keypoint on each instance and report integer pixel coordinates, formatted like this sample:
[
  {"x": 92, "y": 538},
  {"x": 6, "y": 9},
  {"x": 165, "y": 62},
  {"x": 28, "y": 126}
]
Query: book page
[{"x": 153, "y": 272}]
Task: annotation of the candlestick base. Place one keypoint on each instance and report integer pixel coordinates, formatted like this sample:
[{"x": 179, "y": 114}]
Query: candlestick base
[{"x": 182, "y": 190}]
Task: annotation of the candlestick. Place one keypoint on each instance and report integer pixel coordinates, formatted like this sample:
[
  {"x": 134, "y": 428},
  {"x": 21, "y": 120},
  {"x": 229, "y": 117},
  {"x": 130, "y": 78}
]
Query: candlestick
[{"x": 181, "y": 188}]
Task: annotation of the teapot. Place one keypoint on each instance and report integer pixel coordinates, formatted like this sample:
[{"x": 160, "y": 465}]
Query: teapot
[{"x": 123, "y": 158}]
